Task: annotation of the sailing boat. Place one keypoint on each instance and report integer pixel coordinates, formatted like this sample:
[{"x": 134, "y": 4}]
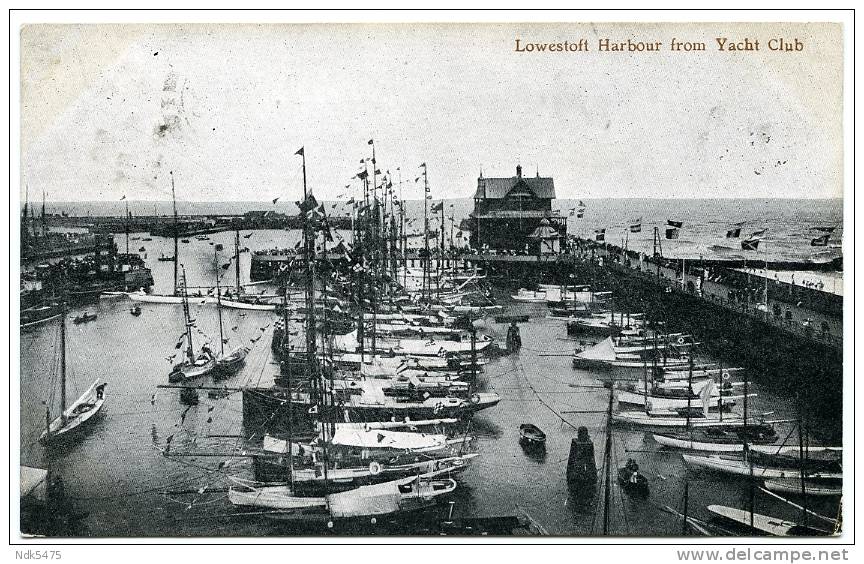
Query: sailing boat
[
  {"x": 175, "y": 298},
  {"x": 82, "y": 410},
  {"x": 226, "y": 365},
  {"x": 238, "y": 301},
  {"x": 764, "y": 524},
  {"x": 194, "y": 366}
]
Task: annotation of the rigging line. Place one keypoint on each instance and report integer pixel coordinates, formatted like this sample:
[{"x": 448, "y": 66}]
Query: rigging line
[
  {"x": 546, "y": 405},
  {"x": 137, "y": 492}
]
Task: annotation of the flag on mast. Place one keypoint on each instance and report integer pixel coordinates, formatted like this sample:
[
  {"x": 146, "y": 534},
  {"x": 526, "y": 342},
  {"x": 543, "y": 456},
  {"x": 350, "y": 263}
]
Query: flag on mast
[{"x": 750, "y": 244}]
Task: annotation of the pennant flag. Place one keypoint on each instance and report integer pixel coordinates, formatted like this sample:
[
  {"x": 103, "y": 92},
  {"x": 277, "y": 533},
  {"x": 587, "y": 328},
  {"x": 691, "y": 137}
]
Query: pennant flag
[
  {"x": 300, "y": 152},
  {"x": 437, "y": 207},
  {"x": 124, "y": 197},
  {"x": 636, "y": 226},
  {"x": 275, "y": 200},
  {"x": 371, "y": 142},
  {"x": 675, "y": 224},
  {"x": 672, "y": 232},
  {"x": 423, "y": 165},
  {"x": 820, "y": 241},
  {"x": 362, "y": 175},
  {"x": 733, "y": 233},
  {"x": 750, "y": 245},
  {"x": 822, "y": 229},
  {"x": 600, "y": 234}
]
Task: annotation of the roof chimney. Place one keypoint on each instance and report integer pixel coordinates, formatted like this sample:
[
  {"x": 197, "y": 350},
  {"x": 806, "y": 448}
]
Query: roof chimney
[{"x": 519, "y": 171}]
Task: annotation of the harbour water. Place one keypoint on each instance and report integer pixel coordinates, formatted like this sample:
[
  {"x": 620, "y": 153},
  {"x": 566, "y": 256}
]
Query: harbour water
[
  {"x": 120, "y": 480},
  {"x": 789, "y": 222}
]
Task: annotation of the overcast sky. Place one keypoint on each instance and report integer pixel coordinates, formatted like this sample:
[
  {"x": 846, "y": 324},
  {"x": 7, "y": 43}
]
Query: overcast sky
[{"x": 107, "y": 111}]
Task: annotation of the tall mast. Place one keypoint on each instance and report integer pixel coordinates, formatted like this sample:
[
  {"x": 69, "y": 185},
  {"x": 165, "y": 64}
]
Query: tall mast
[
  {"x": 63, "y": 362},
  {"x": 190, "y": 350},
  {"x": 290, "y": 393},
  {"x": 44, "y": 227},
  {"x": 403, "y": 239},
  {"x": 219, "y": 303},
  {"x": 441, "y": 253},
  {"x": 690, "y": 388},
  {"x": 426, "y": 284},
  {"x": 607, "y": 457},
  {"x": 127, "y": 229},
  {"x": 26, "y": 204},
  {"x": 376, "y": 248},
  {"x": 309, "y": 247},
  {"x": 237, "y": 258},
  {"x": 175, "y": 230}
]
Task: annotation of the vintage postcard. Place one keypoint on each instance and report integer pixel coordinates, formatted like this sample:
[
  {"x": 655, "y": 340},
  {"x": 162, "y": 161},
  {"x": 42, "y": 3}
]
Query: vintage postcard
[{"x": 431, "y": 278}]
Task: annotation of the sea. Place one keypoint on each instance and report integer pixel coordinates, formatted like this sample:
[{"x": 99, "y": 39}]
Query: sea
[
  {"x": 123, "y": 485},
  {"x": 790, "y": 224}
]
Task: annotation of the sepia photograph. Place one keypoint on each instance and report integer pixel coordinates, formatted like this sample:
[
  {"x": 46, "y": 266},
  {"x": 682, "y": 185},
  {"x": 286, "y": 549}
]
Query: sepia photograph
[{"x": 430, "y": 275}]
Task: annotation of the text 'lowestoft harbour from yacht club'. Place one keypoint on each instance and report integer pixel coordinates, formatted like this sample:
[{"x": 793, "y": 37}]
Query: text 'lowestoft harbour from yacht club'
[{"x": 724, "y": 44}]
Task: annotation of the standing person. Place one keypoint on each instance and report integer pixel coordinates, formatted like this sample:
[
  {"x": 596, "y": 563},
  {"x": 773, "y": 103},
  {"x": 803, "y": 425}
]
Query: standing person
[{"x": 514, "y": 340}]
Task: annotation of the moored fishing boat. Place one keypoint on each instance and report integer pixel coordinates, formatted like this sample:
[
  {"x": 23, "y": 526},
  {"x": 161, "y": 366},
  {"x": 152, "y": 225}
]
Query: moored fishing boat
[
  {"x": 719, "y": 440},
  {"x": 828, "y": 488},
  {"x": 406, "y": 494},
  {"x": 763, "y": 524},
  {"x": 666, "y": 419},
  {"x": 742, "y": 467}
]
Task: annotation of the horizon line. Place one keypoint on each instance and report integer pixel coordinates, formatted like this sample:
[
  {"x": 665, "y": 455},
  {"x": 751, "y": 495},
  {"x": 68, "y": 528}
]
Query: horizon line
[{"x": 39, "y": 202}]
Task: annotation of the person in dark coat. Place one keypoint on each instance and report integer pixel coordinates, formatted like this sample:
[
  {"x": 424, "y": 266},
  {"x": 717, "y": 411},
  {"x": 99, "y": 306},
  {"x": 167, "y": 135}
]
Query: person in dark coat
[{"x": 514, "y": 339}]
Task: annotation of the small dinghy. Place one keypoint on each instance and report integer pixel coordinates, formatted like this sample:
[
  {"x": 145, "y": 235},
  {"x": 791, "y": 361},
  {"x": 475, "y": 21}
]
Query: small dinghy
[
  {"x": 531, "y": 435},
  {"x": 631, "y": 481},
  {"x": 136, "y": 311},
  {"x": 85, "y": 318}
]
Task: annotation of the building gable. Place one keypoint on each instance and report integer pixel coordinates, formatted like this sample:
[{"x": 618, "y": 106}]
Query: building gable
[{"x": 515, "y": 186}]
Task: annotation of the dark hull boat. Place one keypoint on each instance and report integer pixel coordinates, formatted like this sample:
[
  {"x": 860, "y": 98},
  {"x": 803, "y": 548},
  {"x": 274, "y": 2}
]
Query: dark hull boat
[
  {"x": 230, "y": 364},
  {"x": 269, "y": 407},
  {"x": 531, "y": 436},
  {"x": 632, "y": 482},
  {"x": 85, "y": 318}
]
